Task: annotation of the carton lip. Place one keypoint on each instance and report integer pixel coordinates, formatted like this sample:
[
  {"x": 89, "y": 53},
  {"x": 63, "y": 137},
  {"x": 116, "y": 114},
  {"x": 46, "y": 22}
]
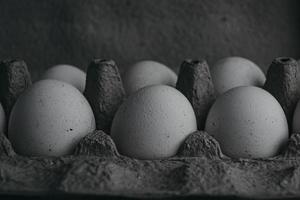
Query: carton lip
[
  {"x": 75, "y": 166},
  {"x": 284, "y": 60}
]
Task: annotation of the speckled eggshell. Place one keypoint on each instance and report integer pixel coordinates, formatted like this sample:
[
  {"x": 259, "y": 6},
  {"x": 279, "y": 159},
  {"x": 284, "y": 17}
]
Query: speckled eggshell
[
  {"x": 248, "y": 122},
  {"x": 67, "y": 73},
  {"x": 153, "y": 122},
  {"x": 2, "y": 119},
  {"x": 232, "y": 72},
  {"x": 146, "y": 73},
  {"x": 49, "y": 119}
]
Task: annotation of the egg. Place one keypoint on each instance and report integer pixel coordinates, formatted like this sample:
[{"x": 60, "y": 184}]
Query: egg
[
  {"x": 153, "y": 123},
  {"x": 67, "y": 73},
  {"x": 236, "y": 71},
  {"x": 248, "y": 122},
  {"x": 2, "y": 119},
  {"x": 146, "y": 73},
  {"x": 49, "y": 119}
]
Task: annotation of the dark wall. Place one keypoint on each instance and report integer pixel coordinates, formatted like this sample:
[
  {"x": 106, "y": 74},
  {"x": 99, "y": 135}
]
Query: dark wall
[{"x": 47, "y": 32}]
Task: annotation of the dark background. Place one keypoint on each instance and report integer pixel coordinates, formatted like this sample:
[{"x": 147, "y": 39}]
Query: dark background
[{"x": 48, "y": 32}]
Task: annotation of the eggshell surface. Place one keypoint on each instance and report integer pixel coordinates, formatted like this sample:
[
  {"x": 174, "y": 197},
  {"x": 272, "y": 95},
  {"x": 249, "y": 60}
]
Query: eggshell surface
[
  {"x": 153, "y": 122},
  {"x": 232, "y": 72},
  {"x": 2, "y": 119},
  {"x": 49, "y": 119},
  {"x": 248, "y": 122},
  {"x": 67, "y": 73},
  {"x": 146, "y": 73}
]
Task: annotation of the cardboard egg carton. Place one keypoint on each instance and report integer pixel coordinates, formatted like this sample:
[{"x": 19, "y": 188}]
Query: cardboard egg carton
[{"x": 198, "y": 169}]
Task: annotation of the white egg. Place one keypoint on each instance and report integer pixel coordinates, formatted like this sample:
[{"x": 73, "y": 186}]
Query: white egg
[
  {"x": 153, "y": 122},
  {"x": 2, "y": 120},
  {"x": 49, "y": 119},
  {"x": 248, "y": 122},
  {"x": 146, "y": 73},
  {"x": 67, "y": 73},
  {"x": 236, "y": 71}
]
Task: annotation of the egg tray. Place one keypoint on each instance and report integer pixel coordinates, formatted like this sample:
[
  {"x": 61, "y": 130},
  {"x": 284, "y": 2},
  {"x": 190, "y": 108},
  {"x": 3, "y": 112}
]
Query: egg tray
[{"x": 198, "y": 169}]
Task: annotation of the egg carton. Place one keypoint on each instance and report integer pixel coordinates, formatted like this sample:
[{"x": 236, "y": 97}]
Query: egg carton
[{"x": 198, "y": 169}]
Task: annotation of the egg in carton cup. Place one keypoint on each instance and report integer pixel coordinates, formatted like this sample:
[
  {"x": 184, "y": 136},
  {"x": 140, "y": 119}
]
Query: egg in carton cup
[{"x": 198, "y": 169}]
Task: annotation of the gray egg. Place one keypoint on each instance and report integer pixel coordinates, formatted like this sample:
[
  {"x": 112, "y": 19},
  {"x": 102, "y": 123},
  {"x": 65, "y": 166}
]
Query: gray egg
[
  {"x": 49, "y": 119},
  {"x": 146, "y": 73},
  {"x": 153, "y": 123},
  {"x": 248, "y": 122},
  {"x": 232, "y": 72},
  {"x": 68, "y": 74}
]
